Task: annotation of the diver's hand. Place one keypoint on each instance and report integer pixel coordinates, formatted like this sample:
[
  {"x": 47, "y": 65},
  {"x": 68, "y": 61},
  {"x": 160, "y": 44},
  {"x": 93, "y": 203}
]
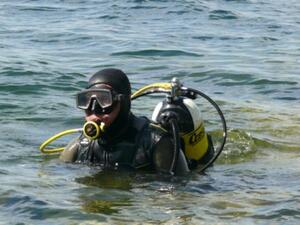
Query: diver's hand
[
  {"x": 163, "y": 157},
  {"x": 69, "y": 154}
]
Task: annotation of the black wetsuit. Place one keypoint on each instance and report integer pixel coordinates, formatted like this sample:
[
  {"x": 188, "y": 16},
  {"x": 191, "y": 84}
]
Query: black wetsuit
[{"x": 143, "y": 146}]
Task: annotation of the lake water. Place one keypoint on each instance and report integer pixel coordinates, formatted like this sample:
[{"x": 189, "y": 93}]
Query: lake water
[{"x": 245, "y": 54}]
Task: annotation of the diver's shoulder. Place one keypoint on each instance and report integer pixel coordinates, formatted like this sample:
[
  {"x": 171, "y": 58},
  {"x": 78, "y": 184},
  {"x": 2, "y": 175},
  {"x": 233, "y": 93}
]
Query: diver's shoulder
[
  {"x": 142, "y": 122},
  {"x": 137, "y": 122}
]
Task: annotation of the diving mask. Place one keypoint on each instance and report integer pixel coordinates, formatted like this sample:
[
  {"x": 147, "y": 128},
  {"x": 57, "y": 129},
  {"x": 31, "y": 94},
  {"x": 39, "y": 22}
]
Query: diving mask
[{"x": 99, "y": 101}]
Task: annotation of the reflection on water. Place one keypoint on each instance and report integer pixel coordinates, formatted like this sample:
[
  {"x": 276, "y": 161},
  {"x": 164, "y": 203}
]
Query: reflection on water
[
  {"x": 111, "y": 179},
  {"x": 109, "y": 192},
  {"x": 106, "y": 207}
]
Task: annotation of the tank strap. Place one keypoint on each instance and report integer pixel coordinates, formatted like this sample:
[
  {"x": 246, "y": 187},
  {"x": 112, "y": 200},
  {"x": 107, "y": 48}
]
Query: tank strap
[{"x": 158, "y": 126}]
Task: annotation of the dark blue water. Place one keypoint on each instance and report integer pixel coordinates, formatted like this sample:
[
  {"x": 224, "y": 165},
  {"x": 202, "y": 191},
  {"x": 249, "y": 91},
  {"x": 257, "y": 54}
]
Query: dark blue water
[{"x": 245, "y": 54}]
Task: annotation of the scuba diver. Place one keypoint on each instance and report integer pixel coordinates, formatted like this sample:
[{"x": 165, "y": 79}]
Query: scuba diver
[
  {"x": 128, "y": 141},
  {"x": 173, "y": 142}
]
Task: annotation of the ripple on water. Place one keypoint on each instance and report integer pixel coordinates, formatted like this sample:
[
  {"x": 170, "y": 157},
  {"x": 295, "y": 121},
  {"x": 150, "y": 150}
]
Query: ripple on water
[
  {"x": 240, "y": 147},
  {"x": 157, "y": 53},
  {"x": 244, "y": 53},
  {"x": 222, "y": 15}
]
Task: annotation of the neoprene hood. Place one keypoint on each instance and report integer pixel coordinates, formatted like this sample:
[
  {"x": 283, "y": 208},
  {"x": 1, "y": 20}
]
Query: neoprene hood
[{"x": 119, "y": 82}]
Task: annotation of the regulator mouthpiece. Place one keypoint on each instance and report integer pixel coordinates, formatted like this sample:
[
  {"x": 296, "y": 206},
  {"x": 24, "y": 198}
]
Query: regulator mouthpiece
[{"x": 92, "y": 130}]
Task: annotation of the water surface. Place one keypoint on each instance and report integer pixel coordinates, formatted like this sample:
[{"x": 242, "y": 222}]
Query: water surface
[{"x": 243, "y": 53}]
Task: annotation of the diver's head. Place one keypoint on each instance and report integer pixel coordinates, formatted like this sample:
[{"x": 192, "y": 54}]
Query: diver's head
[{"x": 107, "y": 99}]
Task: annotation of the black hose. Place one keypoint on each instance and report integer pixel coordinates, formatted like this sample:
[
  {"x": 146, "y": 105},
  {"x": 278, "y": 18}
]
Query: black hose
[
  {"x": 215, "y": 105},
  {"x": 175, "y": 132}
]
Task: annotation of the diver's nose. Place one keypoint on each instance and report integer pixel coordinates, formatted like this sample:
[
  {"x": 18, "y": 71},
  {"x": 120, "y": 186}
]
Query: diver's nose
[{"x": 93, "y": 117}]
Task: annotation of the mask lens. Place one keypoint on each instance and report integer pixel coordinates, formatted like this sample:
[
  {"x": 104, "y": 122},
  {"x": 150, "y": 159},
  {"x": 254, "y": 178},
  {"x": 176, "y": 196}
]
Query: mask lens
[
  {"x": 103, "y": 97},
  {"x": 83, "y": 100}
]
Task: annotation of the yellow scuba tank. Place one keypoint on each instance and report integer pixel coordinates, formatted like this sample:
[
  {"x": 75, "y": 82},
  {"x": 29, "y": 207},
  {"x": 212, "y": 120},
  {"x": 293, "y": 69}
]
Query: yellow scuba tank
[{"x": 190, "y": 124}]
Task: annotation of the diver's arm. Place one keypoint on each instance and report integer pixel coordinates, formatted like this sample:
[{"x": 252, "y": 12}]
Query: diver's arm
[
  {"x": 163, "y": 157},
  {"x": 70, "y": 152}
]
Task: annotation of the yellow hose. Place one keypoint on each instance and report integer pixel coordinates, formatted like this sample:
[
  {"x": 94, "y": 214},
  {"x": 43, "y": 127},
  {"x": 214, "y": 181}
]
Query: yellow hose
[
  {"x": 152, "y": 87},
  {"x": 55, "y": 137}
]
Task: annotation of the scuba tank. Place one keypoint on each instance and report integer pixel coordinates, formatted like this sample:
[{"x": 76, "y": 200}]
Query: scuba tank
[
  {"x": 190, "y": 124},
  {"x": 179, "y": 115}
]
